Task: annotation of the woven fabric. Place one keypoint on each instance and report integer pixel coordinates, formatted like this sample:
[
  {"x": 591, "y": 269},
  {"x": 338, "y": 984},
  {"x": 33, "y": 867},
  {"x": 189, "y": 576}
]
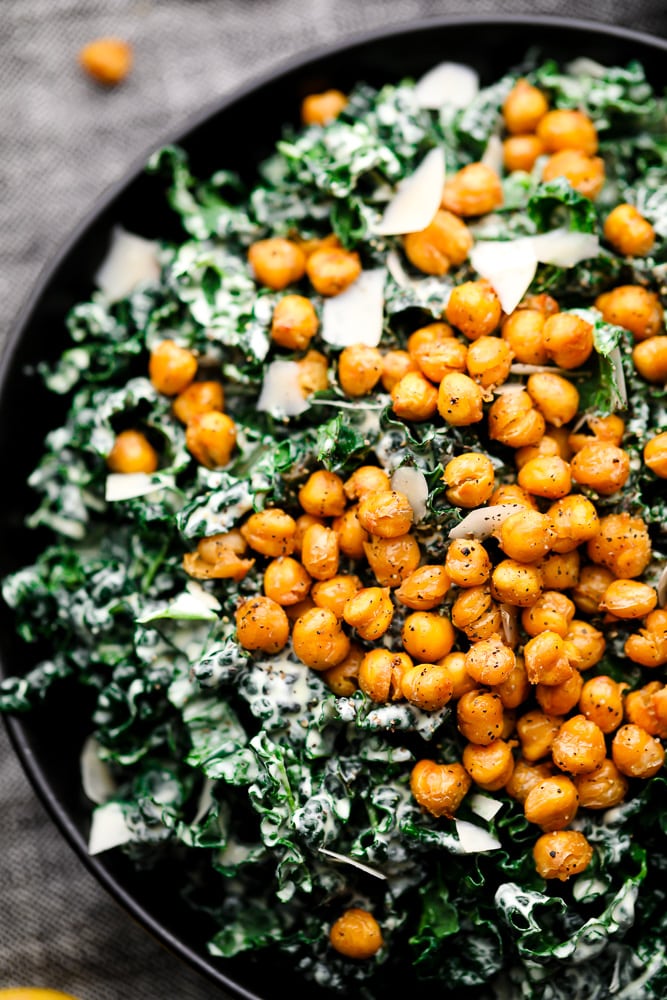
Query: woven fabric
[{"x": 63, "y": 140}]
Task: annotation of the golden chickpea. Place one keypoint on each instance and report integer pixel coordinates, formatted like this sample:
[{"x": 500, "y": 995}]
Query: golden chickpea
[
  {"x": 198, "y": 397},
  {"x": 395, "y": 364},
  {"x": 490, "y": 766},
  {"x": 392, "y": 560},
  {"x": 601, "y": 701},
  {"x": 628, "y": 599},
  {"x": 386, "y": 513},
  {"x": 211, "y": 438},
  {"x": 584, "y": 644},
  {"x": 561, "y": 854},
  {"x": 655, "y": 454},
  {"x": 335, "y": 592},
  {"x": 313, "y": 373},
  {"x": 218, "y": 558},
  {"x": 490, "y": 661},
  {"x": 567, "y": 129},
  {"x": 559, "y": 699},
  {"x": 547, "y": 445},
  {"x": 544, "y": 303},
  {"x": 524, "y": 107},
  {"x": 171, "y": 368},
  {"x": 459, "y": 400},
  {"x": 480, "y": 716},
  {"x": 551, "y": 612},
  {"x": 515, "y": 421},
  {"x": 428, "y": 686},
  {"x": 132, "y": 452},
  {"x": 536, "y": 731},
  {"x": 369, "y": 611},
  {"x": 602, "y": 467},
  {"x": 366, "y": 479},
  {"x": 356, "y": 934},
  {"x": 568, "y": 340},
  {"x": 359, "y": 369},
  {"x": 579, "y": 746},
  {"x": 270, "y": 532},
  {"x": 560, "y": 571},
  {"x": 381, "y": 674},
  {"x": 636, "y": 753},
  {"x": 439, "y": 788},
  {"x": 331, "y": 270},
  {"x": 445, "y": 241},
  {"x": 286, "y": 581},
  {"x": 645, "y": 707},
  {"x": 586, "y": 174},
  {"x": 511, "y": 493},
  {"x": 424, "y": 588},
  {"x": 462, "y": 682},
  {"x": 320, "y": 554},
  {"x": 414, "y": 398},
  {"x": 516, "y": 688},
  {"x": 467, "y": 563},
  {"x": 436, "y": 351},
  {"x": 635, "y": 308},
  {"x": 650, "y": 359},
  {"x": 552, "y": 804},
  {"x": 489, "y": 360},
  {"x": 519, "y": 584},
  {"x": 556, "y": 398},
  {"x": 108, "y": 61},
  {"x": 521, "y": 151},
  {"x": 343, "y": 679},
  {"x": 294, "y": 323},
  {"x": 628, "y": 231},
  {"x": 523, "y": 331},
  {"x": 476, "y": 614},
  {"x": 546, "y": 659},
  {"x": 320, "y": 109},
  {"x": 527, "y": 775},
  {"x": 318, "y": 639},
  {"x": 303, "y": 522},
  {"x": 608, "y": 428},
  {"x": 622, "y": 545},
  {"x": 469, "y": 478},
  {"x": 602, "y": 788},
  {"x": 323, "y": 494},
  {"x": 473, "y": 190},
  {"x": 474, "y": 308},
  {"x": 592, "y": 583},
  {"x": 649, "y": 646},
  {"x": 526, "y": 535},
  {"x": 261, "y": 624},
  {"x": 427, "y": 636},
  {"x": 277, "y": 262},
  {"x": 296, "y": 611},
  {"x": 574, "y": 520}
]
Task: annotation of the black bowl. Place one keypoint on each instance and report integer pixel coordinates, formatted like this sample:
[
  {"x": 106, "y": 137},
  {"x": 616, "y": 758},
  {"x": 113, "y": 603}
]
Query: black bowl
[{"x": 492, "y": 45}]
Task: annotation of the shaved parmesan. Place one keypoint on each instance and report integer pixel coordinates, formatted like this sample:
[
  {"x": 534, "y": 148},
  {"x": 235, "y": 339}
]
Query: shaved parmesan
[
  {"x": 447, "y": 83},
  {"x": 484, "y": 805},
  {"x": 126, "y": 485},
  {"x": 203, "y": 596},
  {"x": 130, "y": 261},
  {"x": 108, "y": 828},
  {"x": 412, "y": 483},
  {"x": 417, "y": 198},
  {"x": 565, "y": 248},
  {"x": 509, "y": 265},
  {"x": 281, "y": 394},
  {"x": 662, "y": 588},
  {"x": 96, "y": 777},
  {"x": 355, "y": 316},
  {"x": 508, "y": 616},
  {"x": 616, "y": 360},
  {"x": 583, "y": 66},
  {"x": 335, "y": 856},
  {"x": 184, "y": 607},
  {"x": 493, "y": 154},
  {"x": 483, "y": 522},
  {"x": 475, "y": 840}
]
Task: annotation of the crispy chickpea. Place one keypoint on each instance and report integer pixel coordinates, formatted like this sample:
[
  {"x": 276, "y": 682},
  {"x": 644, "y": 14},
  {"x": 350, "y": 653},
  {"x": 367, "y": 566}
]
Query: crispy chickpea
[
  {"x": 462, "y": 682},
  {"x": 320, "y": 109},
  {"x": 414, "y": 398},
  {"x": 648, "y": 646},
  {"x": 303, "y": 522},
  {"x": 560, "y": 571},
  {"x": 489, "y": 360},
  {"x": 427, "y": 636},
  {"x": 563, "y": 128},
  {"x": 474, "y": 308},
  {"x": 601, "y": 701},
  {"x": 536, "y": 731},
  {"x": 523, "y": 331},
  {"x": 424, "y": 588},
  {"x": 526, "y": 775},
  {"x": 561, "y": 854},
  {"x": 628, "y": 599},
  {"x": 524, "y": 107},
  {"x": 579, "y": 746},
  {"x": 469, "y": 478},
  {"x": 270, "y": 532},
  {"x": 356, "y": 934},
  {"x": 277, "y": 262},
  {"x": 386, "y": 513},
  {"x": 211, "y": 438},
  {"x": 511, "y": 493},
  {"x": 476, "y": 614},
  {"x": 218, "y": 558},
  {"x": 546, "y": 659},
  {"x": 313, "y": 373},
  {"x": 359, "y": 369},
  {"x": 586, "y": 174},
  {"x": 635, "y": 308},
  {"x": 547, "y": 445},
  {"x": 286, "y": 581},
  {"x": 568, "y": 340},
  {"x": 608, "y": 428},
  {"x": 526, "y": 535},
  {"x": 332, "y": 269},
  {"x": 365, "y": 479},
  {"x": 516, "y": 583},
  {"x": 628, "y": 231},
  {"x": 622, "y": 545},
  {"x": 369, "y": 611},
  {"x": 556, "y": 397},
  {"x": 490, "y": 661},
  {"x": 551, "y": 612},
  {"x": 318, "y": 639},
  {"x": 395, "y": 364},
  {"x": 392, "y": 560},
  {"x": 445, "y": 241},
  {"x": 602, "y": 788},
  {"x": 650, "y": 359},
  {"x": 473, "y": 190},
  {"x": 320, "y": 554},
  {"x": 592, "y": 583},
  {"x": 515, "y": 688},
  {"x": 381, "y": 674},
  {"x": 428, "y": 686},
  {"x": 602, "y": 467},
  {"x": 198, "y": 397},
  {"x": 171, "y": 368},
  {"x": 544, "y": 303},
  {"x": 436, "y": 351},
  {"x": 459, "y": 400},
  {"x": 645, "y": 707},
  {"x": 559, "y": 699},
  {"x": 515, "y": 421},
  {"x": 335, "y": 592},
  {"x": 490, "y": 766},
  {"x": 132, "y": 452},
  {"x": 480, "y": 716},
  {"x": 261, "y": 624},
  {"x": 439, "y": 788},
  {"x": 323, "y": 494},
  {"x": 655, "y": 454},
  {"x": 584, "y": 644},
  {"x": 294, "y": 323},
  {"x": 521, "y": 151},
  {"x": 574, "y": 520},
  {"x": 467, "y": 563},
  {"x": 343, "y": 678},
  {"x": 636, "y": 753},
  {"x": 552, "y": 804}
]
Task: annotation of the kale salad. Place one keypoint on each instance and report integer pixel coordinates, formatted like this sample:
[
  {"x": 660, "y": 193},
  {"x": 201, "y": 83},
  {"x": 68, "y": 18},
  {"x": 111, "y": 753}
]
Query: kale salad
[{"x": 357, "y": 539}]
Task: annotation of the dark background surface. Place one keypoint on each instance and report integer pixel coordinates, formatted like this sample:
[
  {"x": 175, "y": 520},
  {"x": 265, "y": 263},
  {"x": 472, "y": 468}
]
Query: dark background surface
[{"x": 63, "y": 141}]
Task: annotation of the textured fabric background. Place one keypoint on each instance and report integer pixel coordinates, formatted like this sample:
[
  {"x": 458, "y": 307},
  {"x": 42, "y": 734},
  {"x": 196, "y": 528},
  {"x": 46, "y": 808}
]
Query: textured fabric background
[{"x": 62, "y": 141}]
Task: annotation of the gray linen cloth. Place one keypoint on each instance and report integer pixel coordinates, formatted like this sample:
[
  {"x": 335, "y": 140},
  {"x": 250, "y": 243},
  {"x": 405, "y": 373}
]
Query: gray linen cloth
[{"x": 63, "y": 140}]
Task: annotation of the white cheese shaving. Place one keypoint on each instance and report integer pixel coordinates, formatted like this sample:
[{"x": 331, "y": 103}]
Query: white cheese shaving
[
  {"x": 335, "y": 856},
  {"x": 185, "y": 607},
  {"x": 96, "y": 778},
  {"x": 412, "y": 483},
  {"x": 565, "y": 248},
  {"x": 417, "y": 198},
  {"x": 449, "y": 83},
  {"x": 126, "y": 485},
  {"x": 203, "y": 596},
  {"x": 483, "y": 522},
  {"x": 484, "y": 805},
  {"x": 130, "y": 261},
  {"x": 281, "y": 394},
  {"x": 583, "y": 66},
  {"x": 493, "y": 153},
  {"x": 108, "y": 828},
  {"x": 475, "y": 840},
  {"x": 662, "y": 588},
  {"x": 616, "y": 360},
  {"x": 356, "y": 315}
]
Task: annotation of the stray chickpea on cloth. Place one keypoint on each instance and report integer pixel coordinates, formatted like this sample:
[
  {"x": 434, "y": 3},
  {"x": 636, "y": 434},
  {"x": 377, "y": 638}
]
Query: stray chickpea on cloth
[{"x": 108, "y": 60}]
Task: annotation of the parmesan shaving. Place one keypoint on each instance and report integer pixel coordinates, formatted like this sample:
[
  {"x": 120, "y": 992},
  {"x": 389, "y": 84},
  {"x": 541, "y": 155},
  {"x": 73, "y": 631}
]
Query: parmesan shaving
[
  {"x": 449, "y": 83},
  {"x": 616, "y": 360},
  {"x": 335, "y": 856},
  {"x": 108, "y": 828},
  {"x": 483, "y": 522},
  {"x": 281, "y": 394},
  {"x": 417, "y": 198},
  {"x": 484, "y": 805},
  {"x": 127, "y": 485},
  {"x": 493, "y": 154},
  {"x": 96, "y": 777},
  {"x": 509, "y": 265},
  {"x": 355, "y": 316},
  {"x": 565, "y": 248},
  {"x": 475, "y": 840},
  {"x": 662, "y": 588},
  {"x": 130, "y": 261},
  {"x": 412, "y": 483}
]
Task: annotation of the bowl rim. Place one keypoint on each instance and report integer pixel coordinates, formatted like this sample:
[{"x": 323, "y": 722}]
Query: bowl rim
[{"x": 179, "y": 132}]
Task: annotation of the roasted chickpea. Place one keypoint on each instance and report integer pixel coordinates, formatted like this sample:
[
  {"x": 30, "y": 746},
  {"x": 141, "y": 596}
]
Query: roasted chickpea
[
  {"x": 343, "y": 678},
  {"x": 469, "y": 478},
  {"x": 579, "y": 746},
  {"x": 560, "y": 571},
  {"x": 601, "y": 701},
  {"x": 586, "y": 174},
  {"x": 636, "y": 753},
  {"x": 647, "y": 707},
  {"x": 516, "y": 583},
  {"x": 556, "y": 398},
  {"x": 211, "y": 438},
  {"x": 286, "y": 581},
  {"x": 544, "y": 303},
  {"x": 574, "y": 520},
  {"x": 628, "y": 231},
  {"x": 622, "y": 545},
  {"x": 439, "y": 788},
  {"x": 489, "y": 360},
  {"x": 547, "y": 445},
  {"x": 635, "y": 308},
  {"x": 551, "y": 612},
  {"x": 331, "y": 270},
  {"x": 628, "y": 599},
  {"x": 294, "y": 323},
  {"x": 427, "y": 636},
  {"x": 526, "y": 775},
  {"x": 568, "y": 340},
  {"x": 261, "y": 624},
  {"x": 335, "y": 592},
  {"x": 356, "y": 934},
  {"x": 395, "y": 364},
  {"x": 320, "y": 554},
  {"x": 655, "y": 454},
  {"x": 369, "y": 611},
  {"x": 436, "y": 351},
  {"x": 546, "y": 659},
  {"x": 523, "y": 331},
  {"x": 277, "y": 262},
  {"x": 514, "y": 420},
  {"x": 414, "y": 398},
  {"x": 476, "y": 614},
  {"x": 473, "y": 190},
  {"x": 553, "y": 804},
  {"x": 559, "y": 699},
  {"x": 649, "y": 646},
  {"x": 602, "y": 467},
  {"x": 270, "y": 532},
  {"x": 428, "y": 686},
  {"x": 536, "y": 731},
  {"x": 480, "y": 716},
  {"x": 650, "y": 359},
  {"x": 459, "y": 676},
  {"x": 460, "y": 400},
  {"x": 198, "y": 397},
  {"x": 490, "y": 661},
  {"x": 524, "y": 107},
  {"x": 584, "y": 644},
  {"x": 561, "y": 854},
  {"x": 171, "y": 368},
  {"x": 132, "y": 452},
  {"x": 474, "y": 308},
  {"x": 318, "y": 639},
  {"x": 526, "y": 535},
  {"x": 386, "y": 513},
  {"x": 467, "y": 563},
  {"x": 392, "y": 560},
  {"x": 323, "y": 494},
  {"x": 513, "y": 494},
  {"x": 313, "y": 373},
  {"x": 365, "y": 479},
  {"x": 602, "y": 788},
  {"x": 564, "y": 128},
  {"x": 520, "y": 152},
  {"x": 303, "y": 522},
  {"x": 424, "y": 588},
  {"x": 218, "y": 558},
  {"x": 359, "y": 369},
  {"x": 381, "y": 674},
  {"x": 445, "y": 241},
  {"x": 320, "y": 109},
  {"x": 490, "y": 766}
]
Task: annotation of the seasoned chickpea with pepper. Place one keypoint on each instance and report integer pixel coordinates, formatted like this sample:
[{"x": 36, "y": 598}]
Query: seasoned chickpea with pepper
[
  {"x": 392, "y": 560},
  {"x": 359, "y": 369},
  {"x": 523, "y": 330},
  {"x": 579, "y": 746},
  {"x": 331, "y": 270},
  {"x": 171, "y": 368},
  {"x": 489, "y": 360},
  {"x": 490, "y": 766},
  {"x": 323, "y": 494},
  {"x": 476, "y": 614},
  {"x": 211, "y": 438},
  {"x": 563, "y": 128},
  {"x": 424, "y": 588},
  {"x": 561, "y": 854},
  {"x": 322, "y": 107},
  {"x": 261, "y": 624},
  {"x": 473, "y": 190},
  {"x": 429, "y": 686},
  {"x": 467, "y": 563},
  {"x": 446, "y": 241},
  {"x": 636, "y": 753},
  {"x": 439, "y": 788},
  {"x": 469, "y": 478},
  {"x": 318, "y": 639},
  {"x": 132, "y": 452},
  {"x": 196, "y": 398},
  {"x": 474, "y": 308},
  {"x": 553, "y": 803},
  {"x": 414, "y": 398},
  {"x": 460, "y": 400},
  {"x": 635, "y": 308},
  {"x": 480, "y": 716},
  {"x": 524, "y": 107},
  {"x": 650, "y": 358},
  {"x": 277, "y": 262},
  {"x": 655, "y": 454},
  {"x": 427, "y": 636},
  {"x": 381, "y": 673},
  {"x": 515, "y": 421},
  {"x": 356, "y": 934},
  {"x": 294, "y": 322},
  {"x": 586, "y": 174},
  {"x": 628, "y": 231}
]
